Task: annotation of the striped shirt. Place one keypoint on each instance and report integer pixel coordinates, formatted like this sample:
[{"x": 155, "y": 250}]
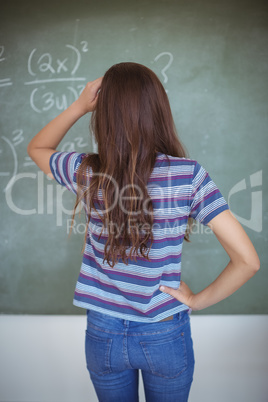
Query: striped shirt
[{"x": 131, "y": 292}]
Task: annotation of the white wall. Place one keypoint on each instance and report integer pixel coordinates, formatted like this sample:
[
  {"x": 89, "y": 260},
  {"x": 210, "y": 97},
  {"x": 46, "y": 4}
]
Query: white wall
[{"x": 42, "y": 359}]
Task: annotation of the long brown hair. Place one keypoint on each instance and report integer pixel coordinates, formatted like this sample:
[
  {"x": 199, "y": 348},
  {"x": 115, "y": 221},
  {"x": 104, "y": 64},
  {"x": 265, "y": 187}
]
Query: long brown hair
[{"x": 132, "y": 121}]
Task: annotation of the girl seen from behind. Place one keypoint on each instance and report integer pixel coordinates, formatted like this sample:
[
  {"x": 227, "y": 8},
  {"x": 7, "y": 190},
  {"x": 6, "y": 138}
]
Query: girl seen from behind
[{"x": 140, "y": 193}]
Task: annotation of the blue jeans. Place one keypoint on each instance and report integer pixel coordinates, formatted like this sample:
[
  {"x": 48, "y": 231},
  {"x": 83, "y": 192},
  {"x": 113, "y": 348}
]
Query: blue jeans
[{"x": 116, "y": 349}]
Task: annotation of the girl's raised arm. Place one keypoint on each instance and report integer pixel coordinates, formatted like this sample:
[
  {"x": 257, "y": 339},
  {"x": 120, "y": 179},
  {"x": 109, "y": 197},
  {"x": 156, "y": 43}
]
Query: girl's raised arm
[{"x": 44, "y": 144}]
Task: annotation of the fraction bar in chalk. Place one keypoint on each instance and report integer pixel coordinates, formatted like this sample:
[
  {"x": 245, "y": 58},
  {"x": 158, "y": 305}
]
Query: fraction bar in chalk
[
  {"x": 5, "y": 82},
  {"x": 54, "y": 80}
]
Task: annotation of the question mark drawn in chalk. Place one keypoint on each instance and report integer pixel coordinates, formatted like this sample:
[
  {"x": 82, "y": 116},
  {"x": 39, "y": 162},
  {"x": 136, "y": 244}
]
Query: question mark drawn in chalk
[{"x": 163, "y": 71}]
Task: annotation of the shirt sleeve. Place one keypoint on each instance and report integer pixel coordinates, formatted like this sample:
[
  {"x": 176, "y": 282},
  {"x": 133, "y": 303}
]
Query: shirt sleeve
[
  {"x": 63, "y": 166},
  {"x": 207, "y": 200}
]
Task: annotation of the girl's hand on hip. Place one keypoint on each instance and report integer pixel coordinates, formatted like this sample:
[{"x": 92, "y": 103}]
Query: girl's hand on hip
[
  {"x": 88, "y": 98},
  {"x": 183, "y": 294}
]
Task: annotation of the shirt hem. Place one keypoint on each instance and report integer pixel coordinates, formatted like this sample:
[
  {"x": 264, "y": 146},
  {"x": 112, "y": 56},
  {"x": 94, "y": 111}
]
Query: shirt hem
[
  {"x": 213, "y": 214},
  {"x": 129, "y": 317}
]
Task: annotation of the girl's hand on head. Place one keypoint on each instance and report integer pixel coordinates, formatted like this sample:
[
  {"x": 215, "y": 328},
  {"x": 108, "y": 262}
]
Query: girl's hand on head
[{"x": 88, "y": 98}]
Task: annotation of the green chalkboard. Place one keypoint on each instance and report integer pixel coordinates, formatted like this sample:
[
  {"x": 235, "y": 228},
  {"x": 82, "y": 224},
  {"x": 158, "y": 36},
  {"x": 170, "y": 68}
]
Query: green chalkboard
[{"x": 212, "y": 58}]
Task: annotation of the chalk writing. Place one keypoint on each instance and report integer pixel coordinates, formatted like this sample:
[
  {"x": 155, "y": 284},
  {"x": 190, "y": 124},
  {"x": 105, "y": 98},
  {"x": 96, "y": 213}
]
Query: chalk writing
[
  {"x": 42, "y": 100},
  {"x": 17, "y": 137},
  {"x": 28, "y": 161},
  {"x": 166, "y": 67},
  {"x": 71, "y": 146},
  {"x": 44, "y": 63},
  {"x": 5, "y": 81},
  {"x": 47, "y": 70},
  {"x": 13, "y": 172},
  {"x": 2, "y": 49},
  {"x": 84, "y": 46}
]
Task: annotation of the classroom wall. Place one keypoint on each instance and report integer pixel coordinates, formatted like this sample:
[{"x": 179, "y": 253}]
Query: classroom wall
[{"x": 42, "y": 359}]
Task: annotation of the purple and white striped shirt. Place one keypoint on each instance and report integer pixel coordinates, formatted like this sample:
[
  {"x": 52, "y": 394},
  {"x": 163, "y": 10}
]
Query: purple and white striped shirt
[{"x": 131, "y": 292}]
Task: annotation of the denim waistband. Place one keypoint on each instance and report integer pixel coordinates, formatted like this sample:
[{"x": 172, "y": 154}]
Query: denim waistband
[{"x": 108, "y": 324}]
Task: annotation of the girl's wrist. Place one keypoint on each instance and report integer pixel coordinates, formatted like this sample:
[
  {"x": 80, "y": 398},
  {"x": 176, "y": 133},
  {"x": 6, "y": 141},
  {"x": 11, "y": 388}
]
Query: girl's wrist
[
  {"x": 195, "y": 303},
  {"x": 77, "y": 109},
  {"x": 192, "y": 304}
]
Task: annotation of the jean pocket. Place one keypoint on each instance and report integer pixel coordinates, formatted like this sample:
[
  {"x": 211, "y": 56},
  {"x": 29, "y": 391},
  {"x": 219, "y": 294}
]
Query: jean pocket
[
  {"x": 98, "y": 354},
  {"x": 166, "y": 358}
]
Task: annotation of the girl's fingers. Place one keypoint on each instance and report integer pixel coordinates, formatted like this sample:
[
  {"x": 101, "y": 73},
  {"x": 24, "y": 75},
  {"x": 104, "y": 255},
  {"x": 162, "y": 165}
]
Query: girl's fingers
[
  {"x": 96, "y": 85},
  {"x": 182, "y": 294},
  {"x": 170, "y": 291},
  {"x": 88, "y": 98}
]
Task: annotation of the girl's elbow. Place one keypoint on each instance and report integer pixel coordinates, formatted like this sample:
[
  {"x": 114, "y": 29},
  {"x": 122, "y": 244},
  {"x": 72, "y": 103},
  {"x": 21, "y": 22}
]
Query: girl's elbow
[
  {"x": 256, "y": 264},
  {"x": 250, "y": 264},
  {"x": 252, "y": 261},
  {"x": 30, "y": 150}
]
